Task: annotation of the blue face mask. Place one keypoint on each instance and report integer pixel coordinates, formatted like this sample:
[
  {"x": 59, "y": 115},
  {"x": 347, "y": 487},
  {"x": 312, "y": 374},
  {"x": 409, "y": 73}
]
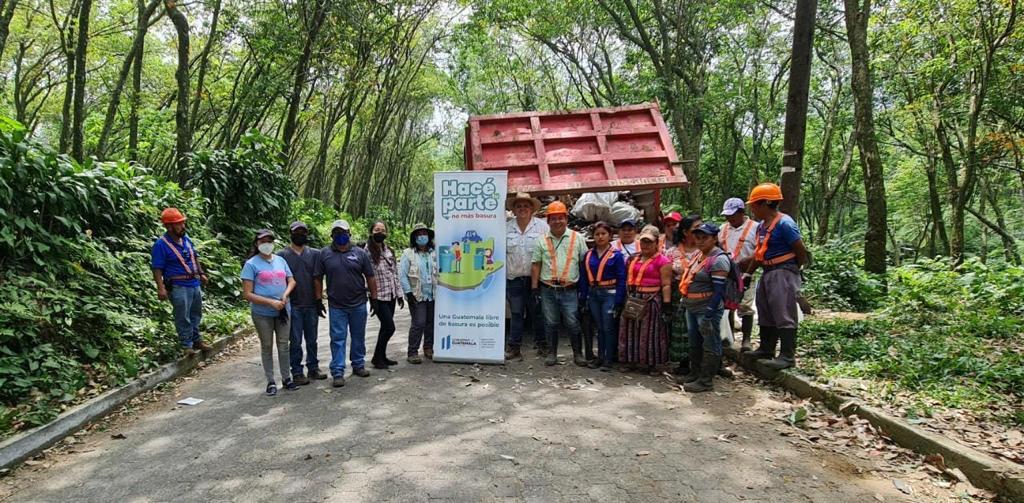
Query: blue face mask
[
  {"x": 342, "y": 239},
  {"x": 422, "y": 240}
]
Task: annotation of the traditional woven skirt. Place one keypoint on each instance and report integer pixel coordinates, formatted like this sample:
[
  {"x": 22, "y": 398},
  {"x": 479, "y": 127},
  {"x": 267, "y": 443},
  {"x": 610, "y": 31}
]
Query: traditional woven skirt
[{"x": 644, "y": 341}]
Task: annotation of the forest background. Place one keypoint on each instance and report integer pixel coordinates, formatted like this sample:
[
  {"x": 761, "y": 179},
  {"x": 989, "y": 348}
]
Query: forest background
[{"x": 250, "y": 113}]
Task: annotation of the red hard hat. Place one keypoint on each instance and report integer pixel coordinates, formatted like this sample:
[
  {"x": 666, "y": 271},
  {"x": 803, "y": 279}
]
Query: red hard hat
[{"x": 172, "y": 216}]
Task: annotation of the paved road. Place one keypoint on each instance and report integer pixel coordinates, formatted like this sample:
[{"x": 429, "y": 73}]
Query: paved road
[{"x": 520, "y": 433}]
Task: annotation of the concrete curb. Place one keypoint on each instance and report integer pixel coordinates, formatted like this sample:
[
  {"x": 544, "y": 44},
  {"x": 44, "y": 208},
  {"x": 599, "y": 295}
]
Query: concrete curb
[
  {"x": 23, "y": 446},
  {"x": 984, "y": 471}
]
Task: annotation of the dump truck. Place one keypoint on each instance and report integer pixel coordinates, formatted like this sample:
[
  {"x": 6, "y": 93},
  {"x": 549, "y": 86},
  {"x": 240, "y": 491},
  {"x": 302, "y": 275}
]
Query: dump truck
[{"x": 569, "y": 153}]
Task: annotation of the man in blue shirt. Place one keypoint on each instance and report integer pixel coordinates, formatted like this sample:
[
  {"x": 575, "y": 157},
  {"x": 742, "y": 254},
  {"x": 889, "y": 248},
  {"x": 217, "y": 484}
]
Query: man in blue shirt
[
  {"x": 178, "y": 275},
  {"x": 780, "y": 251}
]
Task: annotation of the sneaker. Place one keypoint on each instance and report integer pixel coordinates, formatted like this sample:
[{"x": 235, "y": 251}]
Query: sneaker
[
  {"x": 379, "y": 365},
  {"x": 300, "y": 379},
  {"x": 337, "y": 381},
  {"x": 414, "y": 359},
  {"x": 290, "y": 385},
  {"x": 361, "y": 372},
  {"x": 316, "y": 374},
  {"x": 202, "y": 346},
  {"x": 271, "y": 389}
]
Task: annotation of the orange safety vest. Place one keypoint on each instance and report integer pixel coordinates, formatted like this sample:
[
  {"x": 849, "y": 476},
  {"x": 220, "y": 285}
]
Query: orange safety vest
[
  {"x": 762, "y": 245},
  {"x": 600, "y": 281},
  {"x": 554, "y": 260},
  {"x": 632, "y": 275},
  {"x": 689, "y": 271},
  {"x": 743, "y": 238}
]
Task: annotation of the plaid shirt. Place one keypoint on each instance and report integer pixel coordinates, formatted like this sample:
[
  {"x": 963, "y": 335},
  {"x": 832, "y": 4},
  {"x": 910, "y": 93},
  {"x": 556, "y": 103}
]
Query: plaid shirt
[{"x": 386, "y": 272}]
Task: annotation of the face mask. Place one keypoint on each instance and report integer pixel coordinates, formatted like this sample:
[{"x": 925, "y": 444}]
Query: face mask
[
  {"x": 422, "y": 240},
  {"x": 342, "y": 239},
  {"x": 379, "y": 237},
  {"x": 300, "y": 239},
  {"x": 266, "y": 248}
]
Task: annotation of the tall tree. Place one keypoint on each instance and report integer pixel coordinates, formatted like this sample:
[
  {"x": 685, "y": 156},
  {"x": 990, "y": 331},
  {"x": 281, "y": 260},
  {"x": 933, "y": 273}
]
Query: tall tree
[
  {"x": 857, "y": 13},
  {"x": 6, "y": 14},
  {"x": 183, "y": 131},
  {"x": 81, "y": 47},
  {"x": 301, "y": 73},
  {"x": 796, "y": 106}
]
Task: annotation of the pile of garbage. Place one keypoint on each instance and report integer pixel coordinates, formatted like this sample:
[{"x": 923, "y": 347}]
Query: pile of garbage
[{"x": 612, "y": 208}]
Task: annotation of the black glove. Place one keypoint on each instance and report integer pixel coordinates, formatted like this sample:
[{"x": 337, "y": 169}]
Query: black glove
[
  {"x": 666, "y": 312},
  {"x": 618, "y": 310},
  {"x": 373, "y": 307},
  {"x": 401, "y": 302},
  {"x": 411, "y": 300},
  {"x": 322, "y": 309},
  {"x": 536, "y": 295}
]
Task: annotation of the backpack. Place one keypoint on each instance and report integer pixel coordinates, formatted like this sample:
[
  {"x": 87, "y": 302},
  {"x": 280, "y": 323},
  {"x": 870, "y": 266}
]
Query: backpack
[{"x": 734, "y": 286}]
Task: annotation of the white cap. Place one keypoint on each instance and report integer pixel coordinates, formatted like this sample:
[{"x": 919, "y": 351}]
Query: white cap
[{"x": 340, "y": 224}]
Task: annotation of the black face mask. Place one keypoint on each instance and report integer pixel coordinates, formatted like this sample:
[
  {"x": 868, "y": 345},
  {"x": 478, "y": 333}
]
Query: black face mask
[
  {"x": 379, "y": 237},
  {"x": 300, "y": 239}
]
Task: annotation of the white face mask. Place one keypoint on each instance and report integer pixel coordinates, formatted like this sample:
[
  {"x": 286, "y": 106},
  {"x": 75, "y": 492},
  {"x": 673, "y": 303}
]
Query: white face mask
[{"x": 266, "y": 248}]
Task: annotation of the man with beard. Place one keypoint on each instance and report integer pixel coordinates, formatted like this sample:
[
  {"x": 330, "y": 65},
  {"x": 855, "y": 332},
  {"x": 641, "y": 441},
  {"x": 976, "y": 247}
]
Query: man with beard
[{"x": 178, "y": 275}]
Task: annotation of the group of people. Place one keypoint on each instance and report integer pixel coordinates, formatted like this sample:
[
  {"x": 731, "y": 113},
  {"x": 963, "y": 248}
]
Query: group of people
[
  {"x": 286, "y": 290},
  {"x": 652, "y": 295},
  {"x": 656, "y": 295}
]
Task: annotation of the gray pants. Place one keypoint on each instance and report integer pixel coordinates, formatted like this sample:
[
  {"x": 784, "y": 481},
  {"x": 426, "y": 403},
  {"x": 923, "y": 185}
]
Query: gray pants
[
  {"x": 776, "y": 297},
  {"x": 267, "y": 327}
]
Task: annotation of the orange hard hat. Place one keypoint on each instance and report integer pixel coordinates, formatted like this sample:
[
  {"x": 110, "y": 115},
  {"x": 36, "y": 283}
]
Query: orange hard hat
[
  {"x": 765, "y": 192},
  {"x": 172, "y": 216},
  {"x": 557, "y": 208}
]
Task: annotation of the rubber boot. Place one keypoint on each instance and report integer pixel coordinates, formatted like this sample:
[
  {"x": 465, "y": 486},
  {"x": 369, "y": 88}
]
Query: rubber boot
[
  {"x": 787, "y": 354},
  {"x": 747, "y": 326},
  {"x": 724, "y": 371},
  {"x": 588, "y": 343},
  {"x": 709, "y": 366},
  {"x": 577, "y": 349},
  {"x": 765, "y": 350},
  {"x": 696, "y": 359},
  {"x": 683, "y": 368},
  {"x": 552, "y": 355}
]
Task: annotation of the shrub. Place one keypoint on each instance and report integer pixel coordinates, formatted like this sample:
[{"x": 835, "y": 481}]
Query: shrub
[{"x": 836, "y": 280}]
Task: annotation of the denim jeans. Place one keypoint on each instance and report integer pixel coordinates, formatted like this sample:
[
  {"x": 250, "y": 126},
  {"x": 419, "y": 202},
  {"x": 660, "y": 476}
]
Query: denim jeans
[
  {"x": 304, "y": 327},
  {"x": 422, "y": 328},
  {"x": 601, "y": 302},
  {"x": 343, "y": 321},
  {"x": 187, "y": 303},
  {"x": 386, "y": 316},
  {"x": 560, "y": 306},
  {"x": 522, "y": 306},
  {"x": 711, "y": 344}
]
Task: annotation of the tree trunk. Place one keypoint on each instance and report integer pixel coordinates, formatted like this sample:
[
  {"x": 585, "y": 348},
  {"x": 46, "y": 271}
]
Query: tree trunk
[
  {"x": 828, "y": 198},
  {"x": 181, "y": 75},
  {"x": 301, "y": 69},
  {"x": 122, "y": 76},
  {"x": 78, "y": 120},
  {"x": 939, "y": 223},
  {"x": 141, "y": 23},
  {"x": 857, "y": 16},
  {"x": 6, "y": 13},
  {"x": 204, "y": 59},
  {"x": 796, "y": 106}
]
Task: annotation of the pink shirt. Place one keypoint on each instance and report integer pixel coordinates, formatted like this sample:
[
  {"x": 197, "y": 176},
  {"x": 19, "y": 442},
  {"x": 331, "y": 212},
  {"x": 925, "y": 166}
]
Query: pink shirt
[{"x": 652, "y": 273}]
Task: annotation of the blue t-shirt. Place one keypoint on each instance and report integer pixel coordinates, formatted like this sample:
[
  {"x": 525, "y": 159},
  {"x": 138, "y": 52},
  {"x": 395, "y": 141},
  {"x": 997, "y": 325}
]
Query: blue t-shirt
[
  {"x": 164, "y": 259},
  {"x": 783, "y": 236},
  {"x": 269, "y": 279}
]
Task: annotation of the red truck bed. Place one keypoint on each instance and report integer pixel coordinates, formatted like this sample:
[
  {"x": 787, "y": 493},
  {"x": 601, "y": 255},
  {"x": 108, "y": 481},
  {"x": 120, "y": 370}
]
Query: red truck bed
[{"x": 592, "y": 150}]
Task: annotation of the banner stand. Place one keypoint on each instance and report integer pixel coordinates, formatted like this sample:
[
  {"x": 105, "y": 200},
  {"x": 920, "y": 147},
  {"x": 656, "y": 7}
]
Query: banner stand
[{"x": 469, "y": 228}]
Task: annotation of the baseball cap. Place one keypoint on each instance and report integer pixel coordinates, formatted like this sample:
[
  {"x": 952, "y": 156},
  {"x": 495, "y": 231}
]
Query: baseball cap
[
  {"x": 262, "y": 233},
  {"x": 650, "y": 233},
  {"x": 341, "y": 224},
  {"x": 629, "y": 221},
  {"x": 732, "y": 205},
  {"x": 298, "y": 224},
  {"x": 673, "y": 216},
  {"x": 707, "y": 228}
]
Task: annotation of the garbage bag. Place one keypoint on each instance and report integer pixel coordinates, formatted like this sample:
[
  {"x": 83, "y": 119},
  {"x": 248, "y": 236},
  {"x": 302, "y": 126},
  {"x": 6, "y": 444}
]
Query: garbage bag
[
  {"x": 622, "y": 211},
  {"x": 594, "y": 206}
]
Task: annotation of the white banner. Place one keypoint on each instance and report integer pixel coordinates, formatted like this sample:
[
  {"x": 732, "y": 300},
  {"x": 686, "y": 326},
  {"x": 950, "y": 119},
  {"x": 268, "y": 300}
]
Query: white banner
[{"x": 469, "y": 226}]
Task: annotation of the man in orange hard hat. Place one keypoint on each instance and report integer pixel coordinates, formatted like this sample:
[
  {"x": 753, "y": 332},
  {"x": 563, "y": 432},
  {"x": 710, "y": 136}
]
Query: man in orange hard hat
[
  {"x": 780, "y": 251},
  {"x": 554, "y": 276},
  {"x": 179, "y": 276}
]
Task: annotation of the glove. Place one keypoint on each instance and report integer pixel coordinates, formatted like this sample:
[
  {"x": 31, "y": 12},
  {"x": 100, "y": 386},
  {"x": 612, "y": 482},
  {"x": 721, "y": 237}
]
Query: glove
[
  {"x": 373, "y": 307},
  {"x": 282, "y": 315},
  {"x": 536, "y": 295},
  {"x": 618, "y": 310},
  {"x": 401, "y": 303},
  {"x": 411, "y": 300},
  {"x": 322, "y": 309},
  {"x": 666, "y": 312}
]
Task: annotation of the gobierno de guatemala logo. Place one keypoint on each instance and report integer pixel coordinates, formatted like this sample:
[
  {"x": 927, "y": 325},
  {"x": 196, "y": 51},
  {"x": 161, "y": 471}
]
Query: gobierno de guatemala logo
[
  {"x": 468, "y": 196},
  {"x": 446, "y": 343}
]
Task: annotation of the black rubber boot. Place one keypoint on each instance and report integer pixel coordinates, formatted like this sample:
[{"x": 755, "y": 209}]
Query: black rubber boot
[
  {"x": 696, "y": 359},
  {"x": 552, "y": 354},
  {"x": 577, "y": 349},
  {"x": 747, "y": 326},
  {"x": 765, "y": 350},
  {"x": 683, "y": 368},
  {"x": 709, "y": 366},
  {"x": 787, "y": 354}
]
